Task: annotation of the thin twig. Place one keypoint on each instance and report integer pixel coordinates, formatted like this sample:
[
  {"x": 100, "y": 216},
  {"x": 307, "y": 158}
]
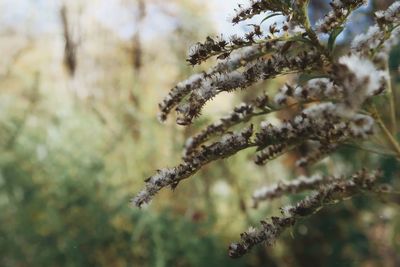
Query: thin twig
[
  {"x": 370, "y": 150},
  {"x": 392, "y": 102},
  {"x": 389, "y": 137}
]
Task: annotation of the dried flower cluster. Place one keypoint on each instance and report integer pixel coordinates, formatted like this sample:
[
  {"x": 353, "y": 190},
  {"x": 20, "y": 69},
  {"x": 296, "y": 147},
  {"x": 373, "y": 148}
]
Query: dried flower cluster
[
  {"x": 336, "y": 190},
  {"x": 334, "y": 104},
  {"x": 298, "y": 185},
  {"x": 341, "y": 9}
]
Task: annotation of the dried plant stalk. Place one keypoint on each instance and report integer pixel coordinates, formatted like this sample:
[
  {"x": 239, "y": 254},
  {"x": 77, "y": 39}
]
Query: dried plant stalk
[{"x": 333, "y": 94}]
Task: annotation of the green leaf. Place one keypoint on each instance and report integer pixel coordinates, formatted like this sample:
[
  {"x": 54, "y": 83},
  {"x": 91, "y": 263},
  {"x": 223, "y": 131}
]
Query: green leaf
[
  {"x": 270, "y": 16},
  {"x": 332, "y": 38}
]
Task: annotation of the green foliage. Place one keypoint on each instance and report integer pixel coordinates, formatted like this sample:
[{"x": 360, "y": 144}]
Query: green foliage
[{"x": 68, "y": 217}]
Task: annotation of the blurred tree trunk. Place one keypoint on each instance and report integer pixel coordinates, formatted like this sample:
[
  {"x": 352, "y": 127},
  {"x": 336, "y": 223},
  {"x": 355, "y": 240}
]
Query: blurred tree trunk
[
  {"x": 70, "y": 59},
  {"x": 137, "y": 56}
]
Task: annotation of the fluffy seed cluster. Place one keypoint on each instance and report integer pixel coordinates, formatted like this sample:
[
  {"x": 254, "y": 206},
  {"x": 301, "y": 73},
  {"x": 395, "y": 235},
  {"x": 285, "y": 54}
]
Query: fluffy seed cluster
[
  {"x": 314, "y": 89},
  {"x": 227, "y": 146},
  {"x": 389, "y": 16},
  {"x": 335, "y": 190},
  {"x": 242, "y": 113},
  {"x": 253, "y": 72},
  {"x": 291, "y": 187},
  {"x": 317, "y": 152},
  {"x": 377, "y": 42},
  {"x": 341, "y": 9},
  {"x": 258, "y": 7},
  {"x": 328, "y": 97}
]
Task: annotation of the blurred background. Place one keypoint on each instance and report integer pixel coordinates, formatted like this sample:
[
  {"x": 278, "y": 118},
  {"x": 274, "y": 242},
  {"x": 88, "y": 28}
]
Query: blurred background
[{"x": 79, "y": 87}]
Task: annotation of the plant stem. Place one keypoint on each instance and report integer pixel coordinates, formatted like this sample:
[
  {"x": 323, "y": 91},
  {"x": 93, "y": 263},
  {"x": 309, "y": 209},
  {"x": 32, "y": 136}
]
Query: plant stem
[
  {"x": 312, "y": 35},
  {"x": 370, "y": 150},
  {"x": 392, "y": 102},
  {"x": 389, "y": 137}
]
